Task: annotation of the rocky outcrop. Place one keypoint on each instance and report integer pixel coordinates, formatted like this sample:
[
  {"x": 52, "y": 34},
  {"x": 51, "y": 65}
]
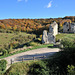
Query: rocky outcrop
[
  {"x": 53, "y": 28},
  {"x": 69, "y": 27},
  {"x": 45, "y": 37},
  {"x": 66, "y": 27},
  {"x": 50, "y": 37}
]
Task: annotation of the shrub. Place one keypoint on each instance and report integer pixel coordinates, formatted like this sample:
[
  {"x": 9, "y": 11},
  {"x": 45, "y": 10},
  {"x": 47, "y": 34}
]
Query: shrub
[
  {"x": 3, "y": 64},
  {"x": 4, "y": 52},
  {"x": 28, "y": 68},
  {"x": 68, "y": 44},
  {"x": 39, "y": 68},
  {"x": 40, "y": 36},
  {"x": 38, "y": 40},
  {"x": 71, "y": 70},
  {"x": 9, "y": 31},
  {"x": 59, "y": 62},
  {"x": 2, "y": 30},
  {"x": 33, "y": 44},
  {"x": 18, "y": 69}
]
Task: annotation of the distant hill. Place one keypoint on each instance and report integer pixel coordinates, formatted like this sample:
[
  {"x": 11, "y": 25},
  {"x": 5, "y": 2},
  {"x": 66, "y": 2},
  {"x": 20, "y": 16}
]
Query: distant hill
[
  {"x": 32, "y": 25},
  {"x": 72, "y": 18}
]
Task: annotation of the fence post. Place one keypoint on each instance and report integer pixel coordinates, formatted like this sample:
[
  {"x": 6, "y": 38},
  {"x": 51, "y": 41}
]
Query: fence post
[
  {"x": 22, "y": 59},
  {"x": 44, "y": 57},
  {"x": 33, "y": 58},
  {"x": 11, "y": 61}
]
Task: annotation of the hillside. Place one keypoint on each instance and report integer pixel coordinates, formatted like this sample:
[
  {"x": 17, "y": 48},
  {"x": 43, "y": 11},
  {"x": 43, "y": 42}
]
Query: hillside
[
  {"x": 32, "y": 25},
  {"x": 14, "y": 33}
]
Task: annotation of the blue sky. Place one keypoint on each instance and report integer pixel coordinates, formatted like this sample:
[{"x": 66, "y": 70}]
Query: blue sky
[{"x": 36, "y": 8}]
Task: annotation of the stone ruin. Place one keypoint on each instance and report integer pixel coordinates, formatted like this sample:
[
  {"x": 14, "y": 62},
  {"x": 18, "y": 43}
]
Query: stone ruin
[
  {"x": 49, "y": 37},
  {"x": 45, "y": 37},
  {"x": 69, "y": 27},
  {"x": 53, "y": 28}
]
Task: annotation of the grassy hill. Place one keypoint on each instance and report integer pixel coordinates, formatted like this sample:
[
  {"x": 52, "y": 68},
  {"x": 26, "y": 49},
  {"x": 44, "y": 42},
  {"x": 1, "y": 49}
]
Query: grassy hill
[
  {"x": 70, "y": 36},
  {"x": 6, "y": 38},
  {"x": 17, "y": 33}
]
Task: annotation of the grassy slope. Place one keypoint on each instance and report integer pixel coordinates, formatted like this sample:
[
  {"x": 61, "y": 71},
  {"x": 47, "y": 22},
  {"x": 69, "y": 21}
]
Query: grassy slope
[
  {"x": 65, "y": 36},
  {"x": 59, "y": 36},
  {"x": 21, "y": 67},
  {"x": 6, "y": 37},
  {"x": 20, "y": 64}
]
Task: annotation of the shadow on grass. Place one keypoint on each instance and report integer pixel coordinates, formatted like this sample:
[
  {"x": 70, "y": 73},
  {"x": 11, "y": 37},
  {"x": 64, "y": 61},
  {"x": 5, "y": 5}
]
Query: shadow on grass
[{"x": 53, "y": 47}]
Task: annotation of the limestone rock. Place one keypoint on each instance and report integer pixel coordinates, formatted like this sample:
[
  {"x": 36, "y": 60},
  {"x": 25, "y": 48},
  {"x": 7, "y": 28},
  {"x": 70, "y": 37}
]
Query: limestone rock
[
  {"x": 53, "y": 28},
  {"x": 45, "y": 37},
  {"x": 69, "y": 27},
  {"x": 51, "y": 38},
  {"x": 66, "y": 27},
  {"x": 73, "y": 27}
]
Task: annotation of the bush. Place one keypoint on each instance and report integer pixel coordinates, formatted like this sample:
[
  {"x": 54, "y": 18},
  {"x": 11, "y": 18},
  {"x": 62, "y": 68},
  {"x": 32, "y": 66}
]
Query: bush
[
  {"x": 28, "y": 68},
  {"x": 2, "y": 30},
  {"x": 13, "y": 44},
  {"x": 71, "y": 70},
  {"x": 3, "y": 64},
  {"x": 68, "y": 44},
  {"x": 38, "y": 40},
  {"x": 4, "y": 52},
  {"x": 40, "y": 36},
  {"x": 33, "y": 44},
  {"x": 39, "y": 68},
  {"x": 59, "y": 62},
  {"x": 18, "y": 69}
]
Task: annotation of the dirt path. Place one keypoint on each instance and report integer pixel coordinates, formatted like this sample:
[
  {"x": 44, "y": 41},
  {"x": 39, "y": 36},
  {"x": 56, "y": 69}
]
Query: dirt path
[{"x": 30, "y": 54}]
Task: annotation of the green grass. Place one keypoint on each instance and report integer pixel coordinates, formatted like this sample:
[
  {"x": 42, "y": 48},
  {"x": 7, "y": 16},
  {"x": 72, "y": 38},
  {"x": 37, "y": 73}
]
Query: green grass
[
  {"x": 56, "y": 64},
  {"x": 10, "y": 35},
  {"x": 65, "y": 36},
  {"x": 6, "y": 37},
  {"x": 21, "y": 67},
  {"x": 2, "y": 72},
  {"x": 41, "y": 46}
]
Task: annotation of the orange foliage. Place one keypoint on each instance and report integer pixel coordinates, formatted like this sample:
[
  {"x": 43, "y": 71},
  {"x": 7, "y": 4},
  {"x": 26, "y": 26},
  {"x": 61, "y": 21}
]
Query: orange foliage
[{"x": 32, "y": 24}]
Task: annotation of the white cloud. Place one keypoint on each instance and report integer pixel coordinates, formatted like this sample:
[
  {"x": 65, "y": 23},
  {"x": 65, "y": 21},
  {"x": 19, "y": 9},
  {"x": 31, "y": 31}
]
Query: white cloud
[
  {"x": 49, "y": 4},
  {"x": 22, "y": 0},
  {"x": 26, "y": 0},
  {"x": 19, "y": 0}
]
